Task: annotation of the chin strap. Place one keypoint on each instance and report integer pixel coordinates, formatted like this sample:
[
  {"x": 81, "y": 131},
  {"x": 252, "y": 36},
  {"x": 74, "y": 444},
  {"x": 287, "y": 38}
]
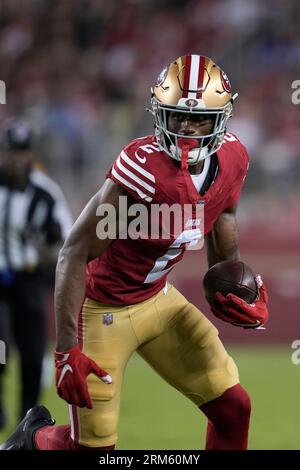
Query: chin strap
[{"x": 186, "y": 145}]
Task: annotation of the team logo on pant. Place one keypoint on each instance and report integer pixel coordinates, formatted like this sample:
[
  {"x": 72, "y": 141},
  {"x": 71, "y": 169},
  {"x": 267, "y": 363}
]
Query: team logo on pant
[{"x": 107, "y": 319}]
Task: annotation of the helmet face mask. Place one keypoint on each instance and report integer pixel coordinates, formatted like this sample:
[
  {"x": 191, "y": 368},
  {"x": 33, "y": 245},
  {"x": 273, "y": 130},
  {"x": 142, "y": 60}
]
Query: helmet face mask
[{"x": 173, "y": 93}]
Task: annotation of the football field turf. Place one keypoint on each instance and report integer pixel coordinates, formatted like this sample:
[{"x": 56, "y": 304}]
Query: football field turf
[{"x": 154, "y": 416}]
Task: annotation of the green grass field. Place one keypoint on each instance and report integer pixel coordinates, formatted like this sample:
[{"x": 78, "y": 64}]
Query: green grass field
[{"x": 154, "y": 416}]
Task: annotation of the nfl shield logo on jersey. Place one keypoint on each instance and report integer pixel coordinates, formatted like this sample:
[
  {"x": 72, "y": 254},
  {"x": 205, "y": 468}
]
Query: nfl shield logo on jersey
[{"x": 107, "y": 319}]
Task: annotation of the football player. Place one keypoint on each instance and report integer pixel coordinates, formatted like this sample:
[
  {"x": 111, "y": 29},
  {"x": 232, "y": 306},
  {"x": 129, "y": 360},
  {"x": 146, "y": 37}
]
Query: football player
[{"x": 112, "y": 296}]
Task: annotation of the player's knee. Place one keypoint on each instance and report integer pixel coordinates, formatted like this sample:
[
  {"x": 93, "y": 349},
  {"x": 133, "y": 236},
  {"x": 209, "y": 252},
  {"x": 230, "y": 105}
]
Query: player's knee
[
  {"x": 99, "y": 428},
  {"x": 105, "y": 427},
  {"x": 100, "y": 424}
]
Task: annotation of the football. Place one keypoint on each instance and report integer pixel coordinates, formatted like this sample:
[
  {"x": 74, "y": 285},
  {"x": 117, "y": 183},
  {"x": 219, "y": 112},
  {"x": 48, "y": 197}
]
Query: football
[{"x": 230, "y": 277}]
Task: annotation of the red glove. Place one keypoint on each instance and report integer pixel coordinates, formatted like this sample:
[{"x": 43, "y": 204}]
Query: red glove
[
  {"x": 236, "y": 311},
  {"x": 72, "y": 369}
]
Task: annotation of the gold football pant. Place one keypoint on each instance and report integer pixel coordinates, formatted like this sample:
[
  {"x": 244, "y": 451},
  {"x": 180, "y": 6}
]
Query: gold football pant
[{"x": 171, "y": 334}]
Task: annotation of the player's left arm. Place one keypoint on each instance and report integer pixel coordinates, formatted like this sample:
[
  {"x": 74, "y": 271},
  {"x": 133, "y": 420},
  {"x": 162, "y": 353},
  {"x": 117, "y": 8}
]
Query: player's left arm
[{"x": 222, "y": 242}]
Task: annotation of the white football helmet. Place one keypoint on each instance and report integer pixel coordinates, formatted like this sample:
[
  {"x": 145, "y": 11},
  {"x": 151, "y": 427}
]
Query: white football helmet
[{"x": 192, "y": 84}]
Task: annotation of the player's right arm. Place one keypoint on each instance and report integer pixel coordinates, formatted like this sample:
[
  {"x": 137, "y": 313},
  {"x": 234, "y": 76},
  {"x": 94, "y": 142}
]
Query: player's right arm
[{"x": 81, "y": 246}]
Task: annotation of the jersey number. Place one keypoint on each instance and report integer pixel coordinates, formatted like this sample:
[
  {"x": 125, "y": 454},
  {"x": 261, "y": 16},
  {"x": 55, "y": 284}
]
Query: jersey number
[{"x": 187, "y": 237}]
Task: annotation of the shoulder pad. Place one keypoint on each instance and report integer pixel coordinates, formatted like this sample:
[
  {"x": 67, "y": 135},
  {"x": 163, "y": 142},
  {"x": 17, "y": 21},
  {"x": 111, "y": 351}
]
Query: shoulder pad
[{"x": 133, "y": 169}]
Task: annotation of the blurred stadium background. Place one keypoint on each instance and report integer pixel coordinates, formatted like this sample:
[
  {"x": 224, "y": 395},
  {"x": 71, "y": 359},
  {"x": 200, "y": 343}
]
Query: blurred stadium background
[{"x": 80, "y": 71}]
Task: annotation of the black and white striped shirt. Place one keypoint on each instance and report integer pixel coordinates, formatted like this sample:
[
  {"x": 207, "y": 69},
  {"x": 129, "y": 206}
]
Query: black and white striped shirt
[{"x": 38, "y": 214}]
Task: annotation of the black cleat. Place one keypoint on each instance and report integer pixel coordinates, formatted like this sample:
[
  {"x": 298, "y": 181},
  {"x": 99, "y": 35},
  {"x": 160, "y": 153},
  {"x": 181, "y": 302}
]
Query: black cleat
[{"x": 23, "y": 437}]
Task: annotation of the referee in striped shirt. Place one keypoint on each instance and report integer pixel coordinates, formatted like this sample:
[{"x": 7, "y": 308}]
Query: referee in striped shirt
[{"x": 33, "y": 215}]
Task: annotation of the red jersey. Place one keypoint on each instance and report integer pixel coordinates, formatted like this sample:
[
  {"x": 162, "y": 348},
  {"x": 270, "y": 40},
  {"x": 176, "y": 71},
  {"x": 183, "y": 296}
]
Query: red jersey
[{"x": 131, "y": 271}]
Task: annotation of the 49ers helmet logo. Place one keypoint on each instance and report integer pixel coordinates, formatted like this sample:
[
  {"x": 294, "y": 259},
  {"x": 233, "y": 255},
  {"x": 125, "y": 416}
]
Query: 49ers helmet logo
[
  {"x": 191, "y": 103},
  {"x": 225, "y": 81}
]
